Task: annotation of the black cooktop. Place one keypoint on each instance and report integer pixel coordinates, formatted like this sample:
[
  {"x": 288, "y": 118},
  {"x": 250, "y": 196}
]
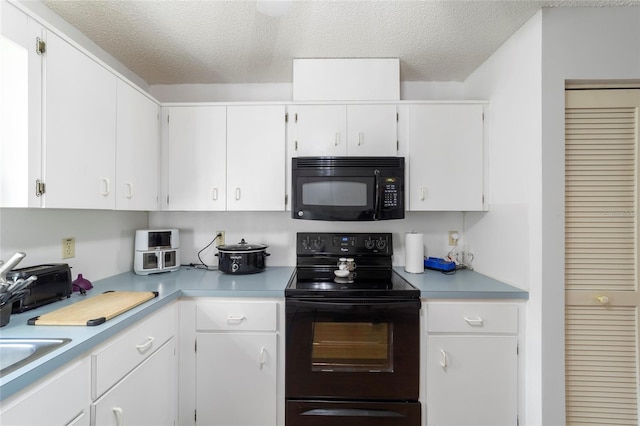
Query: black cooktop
[
  {"x": 317, "y": 258},
  {"x": 396, "y": 286}
]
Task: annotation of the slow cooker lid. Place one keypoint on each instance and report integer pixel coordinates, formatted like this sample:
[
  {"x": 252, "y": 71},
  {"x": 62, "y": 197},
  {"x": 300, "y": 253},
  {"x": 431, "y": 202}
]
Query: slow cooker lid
[{"x": 242, "y": 246}]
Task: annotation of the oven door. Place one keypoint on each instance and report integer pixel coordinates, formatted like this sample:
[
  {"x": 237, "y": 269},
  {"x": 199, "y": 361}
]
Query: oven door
[{"x": 353, "y": 349}]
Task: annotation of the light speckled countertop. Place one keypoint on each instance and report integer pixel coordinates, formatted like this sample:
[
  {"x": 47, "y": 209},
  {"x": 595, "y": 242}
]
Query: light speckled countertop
[{"x": 189, "y": 282}]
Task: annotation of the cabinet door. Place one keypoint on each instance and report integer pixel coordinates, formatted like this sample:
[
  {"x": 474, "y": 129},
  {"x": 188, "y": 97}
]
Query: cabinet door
[
  {"x": 372, "y": 130},
  {"x": 472, "y": 380},
  {"x": 195, "y": 158},
  {"x": 256, "y": 158},
  {"x": 80, "y": 129},
  {"x": 62, "y": 399},
  {"x": 446, "y": 158},
  {"x": 321, "y": 130},
  {"x": 137, "y": 150},
  {"x": 236, "y": 379},
  {"x": 21, "y": 108},
  {"x": 147, "y": 396}
]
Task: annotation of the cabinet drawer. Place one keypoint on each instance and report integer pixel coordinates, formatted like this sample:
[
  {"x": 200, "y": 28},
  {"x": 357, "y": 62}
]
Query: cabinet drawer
[
  {"x": 236, "y": 316},
  {"x": 118, "y": 357},
  {"x": 472, "y": 318}
]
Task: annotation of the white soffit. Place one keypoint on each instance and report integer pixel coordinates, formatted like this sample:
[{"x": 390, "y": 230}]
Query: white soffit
[{"x": 230, "y": 41}]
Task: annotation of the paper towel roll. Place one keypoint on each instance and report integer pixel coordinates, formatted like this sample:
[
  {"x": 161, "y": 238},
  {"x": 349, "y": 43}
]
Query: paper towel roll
[{"x": 414, "y": 253}]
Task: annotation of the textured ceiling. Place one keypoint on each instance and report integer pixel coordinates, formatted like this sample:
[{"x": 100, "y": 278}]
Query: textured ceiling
[{"x": 229, "y": 41}]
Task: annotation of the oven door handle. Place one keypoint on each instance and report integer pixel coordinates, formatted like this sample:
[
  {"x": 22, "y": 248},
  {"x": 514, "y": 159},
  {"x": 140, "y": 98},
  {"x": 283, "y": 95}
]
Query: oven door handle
[
  {"x": 350, "y": 412},
  {"x": 347, "y": 304}
]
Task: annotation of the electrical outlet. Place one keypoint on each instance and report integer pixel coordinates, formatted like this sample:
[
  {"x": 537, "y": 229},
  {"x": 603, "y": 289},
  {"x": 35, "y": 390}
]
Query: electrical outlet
[
  {"x": 68, "y": 248},
  {"x": 220, "y": 238},
  {"x": 454, "y": 236}
]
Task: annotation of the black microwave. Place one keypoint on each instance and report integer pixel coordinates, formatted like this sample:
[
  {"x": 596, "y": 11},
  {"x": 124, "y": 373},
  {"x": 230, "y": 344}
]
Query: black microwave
[{"x": 347, "y": 188}]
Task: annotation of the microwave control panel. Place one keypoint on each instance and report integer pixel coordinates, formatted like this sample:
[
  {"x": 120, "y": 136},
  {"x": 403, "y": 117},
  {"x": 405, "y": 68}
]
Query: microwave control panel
[{"x": 391, "y": 192}]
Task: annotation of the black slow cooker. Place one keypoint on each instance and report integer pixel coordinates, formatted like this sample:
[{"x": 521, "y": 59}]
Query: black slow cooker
[{"x": 242, "y": 258}]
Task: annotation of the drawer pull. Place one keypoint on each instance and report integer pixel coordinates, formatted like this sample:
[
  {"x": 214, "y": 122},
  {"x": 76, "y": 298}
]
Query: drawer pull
[
  {"x": 232, "y": 319},
  {"x": 443, "y": 362},
  {"x": 603, "y": 299},
  {"x": 118, "y": 413},
  {"x": 147, "y": 345},
  {"x": 474, "y": 322},
  {"x": 263, "y": 357}
]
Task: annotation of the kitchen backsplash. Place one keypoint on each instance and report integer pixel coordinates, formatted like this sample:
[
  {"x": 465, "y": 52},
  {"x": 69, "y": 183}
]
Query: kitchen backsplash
[{"x": 104, "y": 240}]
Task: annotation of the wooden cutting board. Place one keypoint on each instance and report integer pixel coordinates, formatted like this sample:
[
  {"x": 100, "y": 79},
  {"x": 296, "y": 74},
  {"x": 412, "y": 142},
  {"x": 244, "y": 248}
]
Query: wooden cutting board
[{"x": 96, "y": 310}]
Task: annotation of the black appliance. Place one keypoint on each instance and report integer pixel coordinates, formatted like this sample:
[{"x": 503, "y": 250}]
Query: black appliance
[
  {"x": 347, "y": 188},
  {"x": 53, "y": 283},
  {"x": 352, "y": 342}
]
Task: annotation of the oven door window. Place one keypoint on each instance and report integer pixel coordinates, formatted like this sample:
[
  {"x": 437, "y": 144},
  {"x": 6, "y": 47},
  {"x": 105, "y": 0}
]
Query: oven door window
[
  {"x": 352, "y": 347},
  {"x": 336, "y": 193}
]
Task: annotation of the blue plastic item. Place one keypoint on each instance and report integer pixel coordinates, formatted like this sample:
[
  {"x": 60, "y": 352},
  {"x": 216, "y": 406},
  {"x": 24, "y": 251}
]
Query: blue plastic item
[{"x": 439, "y": 264}]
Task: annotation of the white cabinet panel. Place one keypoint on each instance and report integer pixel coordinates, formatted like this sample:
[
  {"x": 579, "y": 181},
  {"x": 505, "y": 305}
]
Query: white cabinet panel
[
  {"x": 62, "y": 399},
  {"x": 338, "y": 130},
  {"x": 372, "y": 130},
  {"x": 236, "y": 379},
  {"x": 137, "y": 150},
  {"x": 472, "y": 380},
  {"x": 321, "y": 130},
  {"x": 446, "y": 163},
  {"x": 237, "y": 316},
  {"x": 80, "y": 129},
  {"x": 256, "y": 158},
  {"x": 20, "y": 108},
  {"x": 146, "y": 396},
  {"x": 195, "y": 158}
]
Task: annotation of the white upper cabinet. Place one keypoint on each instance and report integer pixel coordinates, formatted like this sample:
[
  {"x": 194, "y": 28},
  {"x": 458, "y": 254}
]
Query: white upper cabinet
[
  {"x": 21, "y": 108},
  {"x": 137, "y": 148},
  {"x": 80, "y": 129},
  {"x": 338, "y": 130},
  {"x": 195, "y": 160},
  {"x": 446, "y": 161},
  {"x": 256, "y": 157}
]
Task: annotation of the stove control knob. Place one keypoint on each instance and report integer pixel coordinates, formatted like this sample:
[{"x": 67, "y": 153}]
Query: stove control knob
[
  {"x": 369, "y": 243},
  {"x": 380, "y": 244}
]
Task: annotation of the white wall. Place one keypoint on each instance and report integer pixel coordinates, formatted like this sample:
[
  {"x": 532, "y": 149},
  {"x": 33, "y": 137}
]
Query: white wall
[
  {"x": 278, "y": 231},
  {"x": 508, "y": 235},
  {"x": 104, "y": 239},
  {"x": 524, "y": 81}
]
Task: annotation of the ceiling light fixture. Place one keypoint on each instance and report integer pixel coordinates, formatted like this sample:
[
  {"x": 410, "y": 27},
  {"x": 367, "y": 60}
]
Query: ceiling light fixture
[{"x": 273, "y": 8}]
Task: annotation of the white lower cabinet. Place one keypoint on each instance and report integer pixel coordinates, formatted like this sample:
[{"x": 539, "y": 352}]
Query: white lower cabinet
[
  {"x": 62, "y": 399},
  {"x": 471, "y": 364},
  {"x": 233, "y": 375},
  {"x": 146, "y": 396},
  {"x": 236, "y": 379}
]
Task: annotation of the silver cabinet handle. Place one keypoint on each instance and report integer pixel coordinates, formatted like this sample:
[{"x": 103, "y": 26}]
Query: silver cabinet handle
[
  {"x": 106, "y": 187},
  {"x": 117, "y": 411},
  {"x": 360, "y": 139},
  {"x": 214, "y": 194},
  {"x": 143, "y": 347},
  {"x": 237, "y": 193},
  {"x": 129, "y": 194},
  {"x": 232, "y": 319},
  {"x": 423, "y": 193},
  {"x": 474, "y": 322},
  {"x": 443, "y": 361},
  {"x": 263, "y": 357},
  {"x": 337, "y": 141}
]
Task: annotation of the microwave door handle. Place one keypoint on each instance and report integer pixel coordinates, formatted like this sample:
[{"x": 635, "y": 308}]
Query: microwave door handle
[{"x": 378, "y": 205}]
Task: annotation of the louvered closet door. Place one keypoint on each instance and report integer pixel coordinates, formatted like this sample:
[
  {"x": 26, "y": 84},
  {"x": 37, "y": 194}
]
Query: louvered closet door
[{"x": 601, "y": 257}]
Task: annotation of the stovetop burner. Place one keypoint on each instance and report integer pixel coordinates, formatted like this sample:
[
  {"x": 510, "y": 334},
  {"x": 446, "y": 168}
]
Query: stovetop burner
[{"x": 318, "y": 255}]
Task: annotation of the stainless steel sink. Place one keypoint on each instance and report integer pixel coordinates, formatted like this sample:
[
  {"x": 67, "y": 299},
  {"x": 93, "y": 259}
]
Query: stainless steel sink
[{"x": 16, "y": 353}]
